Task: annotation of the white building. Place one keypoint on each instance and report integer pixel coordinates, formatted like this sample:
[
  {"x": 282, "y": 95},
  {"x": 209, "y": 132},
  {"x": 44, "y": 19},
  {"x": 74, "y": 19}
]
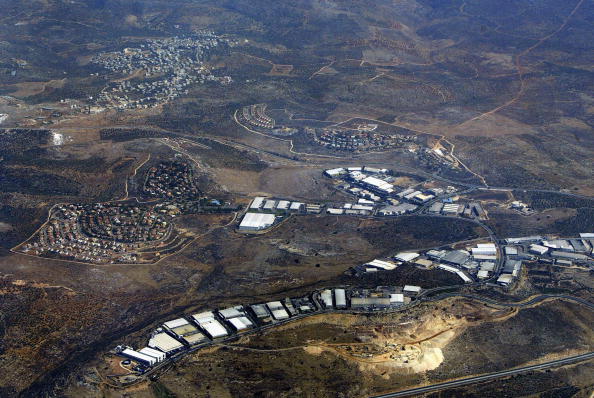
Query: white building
[
  {"x": 257, "y": 203},
  {"x": 411, "y": 289},
  {"x": 208, "y": 323},
  {"x": 164, "y": 342},
  {"x": 139, "y": 357},
  {"x": 158, "y": 355},
  {"x": 277, "y": 310},
  {"x": 340, "y": 298},
  {"x": 256, "y": 221}
]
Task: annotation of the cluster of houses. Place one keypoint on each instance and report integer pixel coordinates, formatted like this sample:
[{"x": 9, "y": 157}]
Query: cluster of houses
[{"x": 167, "y": 68}]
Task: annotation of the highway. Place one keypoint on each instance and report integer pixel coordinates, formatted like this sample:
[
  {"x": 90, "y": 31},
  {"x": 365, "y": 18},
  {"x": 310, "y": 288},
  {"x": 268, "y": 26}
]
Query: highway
[{"x": 487, "y": 377}]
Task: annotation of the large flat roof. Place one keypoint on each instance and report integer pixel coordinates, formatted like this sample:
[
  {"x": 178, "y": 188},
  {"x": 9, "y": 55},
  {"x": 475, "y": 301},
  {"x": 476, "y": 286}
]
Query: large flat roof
[
  {"x": 164, "y": 342},
  {"x": 257, "y": 220}
]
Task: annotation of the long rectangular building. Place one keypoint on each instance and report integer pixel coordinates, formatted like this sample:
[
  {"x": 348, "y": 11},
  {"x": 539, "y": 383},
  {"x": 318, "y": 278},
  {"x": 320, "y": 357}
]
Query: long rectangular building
[{"x": 256, "y": 221}]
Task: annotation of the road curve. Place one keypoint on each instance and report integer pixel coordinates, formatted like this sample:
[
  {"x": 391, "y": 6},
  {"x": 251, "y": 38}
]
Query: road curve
[{"x": 487, "y": 377}]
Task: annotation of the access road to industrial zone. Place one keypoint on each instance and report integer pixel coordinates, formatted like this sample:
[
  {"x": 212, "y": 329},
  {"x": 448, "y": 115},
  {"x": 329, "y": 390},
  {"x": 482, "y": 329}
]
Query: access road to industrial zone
[{"x": 490, "y": 376}]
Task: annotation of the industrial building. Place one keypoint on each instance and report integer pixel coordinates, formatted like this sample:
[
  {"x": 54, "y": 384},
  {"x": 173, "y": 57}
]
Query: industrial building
[
  {"x": 237, "y": 318},
  {"x": 411, "y": 289},
  {"x": 139, "y": 357},
  {"x": 211, "y": 326},
  {"x": 257, "y": 203},
  {"x": 456, "y": 271},
  {"x": 277, "y": 310},
  {"x": 406, "y": 256},
  {"x": 261, "y": 313},
  {"x": 256, "y": 221},
  {"x": 164, "y": 342},
  {"x": 158, "y": 355},
  {"x": 340, "y": 298},
  {"x": 184, "y": 331},
  {"x": 326, "y": 296}
]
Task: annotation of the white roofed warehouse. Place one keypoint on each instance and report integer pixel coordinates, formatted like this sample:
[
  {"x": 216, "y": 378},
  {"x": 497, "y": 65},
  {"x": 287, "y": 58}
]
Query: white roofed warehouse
[{"x": 256, "y": 221}]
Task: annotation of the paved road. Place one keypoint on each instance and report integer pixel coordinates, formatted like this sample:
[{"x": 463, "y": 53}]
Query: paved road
[{"x": 487, "y": 377}]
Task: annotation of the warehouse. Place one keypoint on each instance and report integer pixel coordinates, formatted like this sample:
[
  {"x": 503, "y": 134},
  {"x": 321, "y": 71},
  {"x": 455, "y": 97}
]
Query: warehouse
[
  {"x": 296, "y": 206},
  {"x": 512, "y": 267},
  {"x": 538, "y": 249},
  {"x": 158, "y": 355},
  {"x": 340, "y": 298},
  {"x": 370, "y": 302},
  {"x": 164, "y": 342},
  {"x": 411, "y": 289},
  {"x": 213, "y": 328},
  {"x": 396, "y": 298},
  {"x": 379, "y": 185},
  {"x": 456, "y": 271},
  {"x": 450, "y": 208},
  {"x": 283, "y": 205},
  {"x": 185, "y": 331},
  {"x": 406, "y": 256},
  {"x": 333, "y": 173},
  {"x": 257, "y": 203},
  {"x": 385, "y": 265},
  {"x": 326, "y": 296},
  {"x": 484, "y": 248},
  {"x": 482, "y": 274},
  {"x": 241, "y": 323},
  {"x": 237, "y": 317},
  {"x": 397, "y": 210},
  {"x": 278, "y": 311},
  {"x": 269, "y": 205},
  {"x": 456, "y": 257},
  {"x": 256, "y": 221},
  {"x": 505, "y": 279},
  {"x": 139, "y": 357},
  {"x": 261, "y": 313}
]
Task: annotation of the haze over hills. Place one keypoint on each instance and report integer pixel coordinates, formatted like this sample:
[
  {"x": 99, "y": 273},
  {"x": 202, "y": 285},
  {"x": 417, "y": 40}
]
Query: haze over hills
[{"x": 137, "y": 136}]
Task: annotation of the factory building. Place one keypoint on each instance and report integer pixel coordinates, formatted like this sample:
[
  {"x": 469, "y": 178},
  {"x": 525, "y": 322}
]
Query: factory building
[
  {"x": 237, "y": 318},
  {"x": 158, "y": 355},
  {"x": 456, "y": 257},
  {"x": 380, "y": 264},
  {"x": 257, "y": 203},
  {"x": 484, "y": 249},
  {"x": 456, "y": 271},
  {"x": 164, "y": 342},
  {"x": 411, "y": 289},
  {"x": 378, "y": 185},
  {"x": 370, "y": 302},
  {"x": 269, "y": 205},
  {"x": 261, "y": 312},
  {"x": 505, "y": 279},
  {"x": 406, "y": 256},
  {"x": 397, "y": 210},
  {"x": 326, "y": 296},
  {"x": 185, "y": 331},
  {"x": 538, "y": 249},
  {"x": 283, "y": 205},
  {"x": 139, "y": 357},
  {"x": 211, "y": 326},
  {"x": 333, "y": 173},
  {"x": 340, "y": 298},
  {"x": 256, "y": 221},
  {"x": 277, "y": 310}
]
